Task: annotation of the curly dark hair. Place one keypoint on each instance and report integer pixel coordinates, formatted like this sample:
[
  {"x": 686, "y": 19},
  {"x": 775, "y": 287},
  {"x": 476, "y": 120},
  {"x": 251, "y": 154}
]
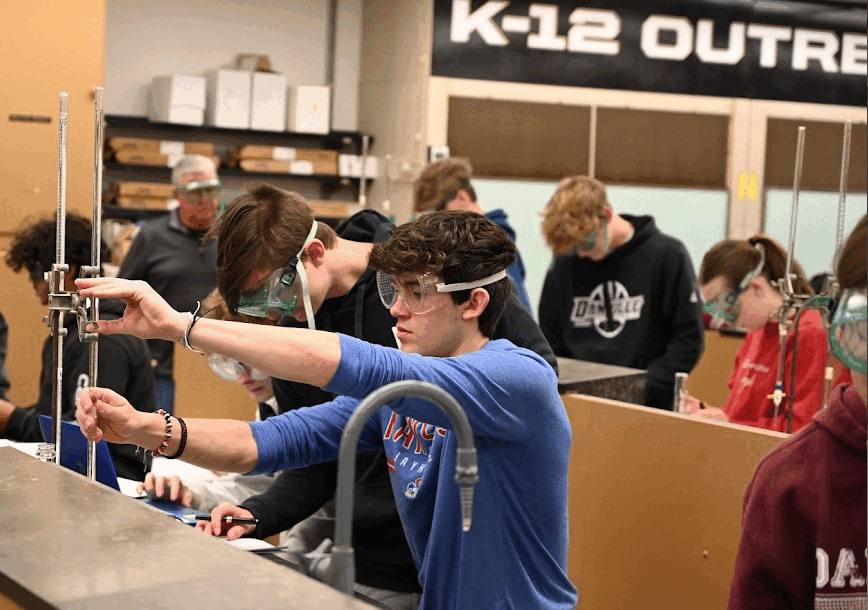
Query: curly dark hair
[
  {"x": 458, "y": 246},
  {"x": 33, "y": 246}
]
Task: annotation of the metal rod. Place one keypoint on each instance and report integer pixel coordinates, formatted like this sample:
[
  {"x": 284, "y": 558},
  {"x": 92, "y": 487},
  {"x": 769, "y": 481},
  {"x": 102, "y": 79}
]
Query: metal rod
[
  {"x": 95, "y": 262},
  {"x": 680, "y": 391},
  {"x": 62, "y": 122},
  {"x": 797, "y": 180},
  {"x": 363, "y": 199},
  {"x": 56, "y": 277},
  {"x": 842, "y": 189},
  {"x": 387, "y": 203}
]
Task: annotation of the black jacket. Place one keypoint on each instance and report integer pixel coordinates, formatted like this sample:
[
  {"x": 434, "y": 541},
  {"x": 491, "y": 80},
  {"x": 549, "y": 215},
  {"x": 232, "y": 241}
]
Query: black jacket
[
  {"x": 4, "y": 376},
  {"x": 382, "y": 556},
  {"x": 124, "y": 366},
  {"x": 638, "y": 307}
]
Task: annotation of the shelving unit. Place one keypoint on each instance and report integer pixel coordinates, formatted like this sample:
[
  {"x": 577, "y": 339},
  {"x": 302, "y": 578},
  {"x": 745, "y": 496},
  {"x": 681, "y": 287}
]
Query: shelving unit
[{"x": 346, "y": 142}]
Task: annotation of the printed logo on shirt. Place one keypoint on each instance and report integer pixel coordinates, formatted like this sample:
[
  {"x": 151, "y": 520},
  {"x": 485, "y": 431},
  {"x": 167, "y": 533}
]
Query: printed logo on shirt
[
  {"x": 82, "y": 382},
  {"x": 591, "y": 311},
  {"x": 847, "y": 579},
  {"x": 412, "y": 434},
  {"x": 413, "y": 488}
]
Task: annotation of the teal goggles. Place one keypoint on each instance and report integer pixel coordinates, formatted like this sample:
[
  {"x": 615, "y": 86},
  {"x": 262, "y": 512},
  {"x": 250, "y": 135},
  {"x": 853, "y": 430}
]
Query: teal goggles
[
  {"x": 727, "y": 306},
  {"x": 847, "y": 334},
  {"x": 279, "y": 294}
]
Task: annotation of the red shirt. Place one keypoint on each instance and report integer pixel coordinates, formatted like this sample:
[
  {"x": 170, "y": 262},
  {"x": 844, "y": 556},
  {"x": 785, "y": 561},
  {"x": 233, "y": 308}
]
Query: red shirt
[
  {"x": 756, "y": 364},
  {"x": 803, "y": 540}
]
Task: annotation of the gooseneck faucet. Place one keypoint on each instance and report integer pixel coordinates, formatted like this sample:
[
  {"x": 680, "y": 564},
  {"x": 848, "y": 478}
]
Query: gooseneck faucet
[{"x": 340, "y": 571}]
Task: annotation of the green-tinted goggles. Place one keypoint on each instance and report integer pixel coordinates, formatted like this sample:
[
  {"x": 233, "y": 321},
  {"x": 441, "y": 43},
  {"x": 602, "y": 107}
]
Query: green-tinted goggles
[
  {"x": 277, "y": 297},
  {"x": 847, "y": 334}
]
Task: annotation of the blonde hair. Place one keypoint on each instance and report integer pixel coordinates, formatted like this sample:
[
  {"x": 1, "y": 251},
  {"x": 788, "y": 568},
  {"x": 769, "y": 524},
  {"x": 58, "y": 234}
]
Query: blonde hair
[
  {"x": 439, "y": 179},
  {"x": 576, "y": 208}
]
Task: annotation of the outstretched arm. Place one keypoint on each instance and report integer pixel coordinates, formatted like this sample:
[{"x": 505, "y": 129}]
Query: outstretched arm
[
  {"x": 220, "y": 444},
  {"x": 295, "y": 354}
]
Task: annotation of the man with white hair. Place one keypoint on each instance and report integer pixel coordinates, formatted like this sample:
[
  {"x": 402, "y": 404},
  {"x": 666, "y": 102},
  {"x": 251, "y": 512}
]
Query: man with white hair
[{"x": 168, "y": 253}]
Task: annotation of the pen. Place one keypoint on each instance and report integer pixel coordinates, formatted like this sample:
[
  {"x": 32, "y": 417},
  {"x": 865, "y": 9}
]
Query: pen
[{"x": 229, "y": 519}]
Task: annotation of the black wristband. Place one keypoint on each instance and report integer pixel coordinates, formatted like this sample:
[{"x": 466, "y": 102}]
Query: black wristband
[{"x": 183, "y": 442}]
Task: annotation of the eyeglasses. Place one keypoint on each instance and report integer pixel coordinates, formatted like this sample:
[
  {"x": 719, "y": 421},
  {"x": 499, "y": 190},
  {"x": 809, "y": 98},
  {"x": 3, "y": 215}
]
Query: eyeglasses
[
  {"x": 416, "y": 290},
  {"x": 202, "y": 195},
  {"x": 232, "y": 370},
  {"x": 849, "y": 331}
]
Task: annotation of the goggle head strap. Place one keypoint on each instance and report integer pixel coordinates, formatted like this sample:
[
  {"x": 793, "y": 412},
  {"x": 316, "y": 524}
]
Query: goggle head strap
[{"x": 441, "y": 287}]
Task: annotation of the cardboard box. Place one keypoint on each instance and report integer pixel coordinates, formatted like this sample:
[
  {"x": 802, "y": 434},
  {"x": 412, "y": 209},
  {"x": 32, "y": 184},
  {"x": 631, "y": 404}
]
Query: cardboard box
[
  {"x": 286, "y": 153},
  {"x": 297, "y": 167},
  {"x": 228, "y": 99},
  {"x": 151, "y": 190},
  {"x": 177, "y": 99},
  {"x": 308, "y": 109},
  {"x": 148, "y": 203},
  {"x": 334, "y": 209},
  {"x": 350, "y": 166},
  {"x": 268, "y": 101},
  {"x": 162, "y": 147},
  {"x": 137, "y": 157}
]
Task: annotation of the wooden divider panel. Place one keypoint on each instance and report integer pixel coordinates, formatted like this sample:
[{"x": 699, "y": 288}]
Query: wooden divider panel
[{"x": 655, "y": 504}]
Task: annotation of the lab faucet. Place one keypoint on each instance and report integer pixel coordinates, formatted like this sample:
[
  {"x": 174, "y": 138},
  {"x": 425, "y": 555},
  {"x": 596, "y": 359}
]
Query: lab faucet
[{"x": 340, "y": 570}]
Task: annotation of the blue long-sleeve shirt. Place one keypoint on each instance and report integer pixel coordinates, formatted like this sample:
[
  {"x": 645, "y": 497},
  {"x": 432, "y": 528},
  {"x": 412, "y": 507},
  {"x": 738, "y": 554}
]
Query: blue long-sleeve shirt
[{"x": 514, "y": 556}]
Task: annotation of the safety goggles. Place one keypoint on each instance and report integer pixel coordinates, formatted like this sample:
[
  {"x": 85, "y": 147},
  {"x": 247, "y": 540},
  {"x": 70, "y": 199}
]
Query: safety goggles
[
  {"x": 847, "y": 334},
  {"x": 417, "y": 291},
  {"x": 232, "y": 370},
  {"x": 727, "y": 306},
  {"x": 202, "y": 190},
  {"x": 279, "y": 294}
]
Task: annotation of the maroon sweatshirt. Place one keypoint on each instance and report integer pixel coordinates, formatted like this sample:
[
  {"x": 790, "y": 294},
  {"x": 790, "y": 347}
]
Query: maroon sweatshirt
[{"x": 803, "y": 542}]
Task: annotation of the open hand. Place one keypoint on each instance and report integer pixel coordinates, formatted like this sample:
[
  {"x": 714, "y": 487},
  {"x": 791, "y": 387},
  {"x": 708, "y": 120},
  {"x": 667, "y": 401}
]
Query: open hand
[
  {"x": 166, "y": 488},
  {"x": 232, "y": 531},
  {"x": 104, "y": 414},
  {"x": 147, "y": 315}
]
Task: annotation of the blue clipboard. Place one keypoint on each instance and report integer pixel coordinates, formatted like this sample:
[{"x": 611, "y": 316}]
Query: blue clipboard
[{"x": 73, "y": 452}]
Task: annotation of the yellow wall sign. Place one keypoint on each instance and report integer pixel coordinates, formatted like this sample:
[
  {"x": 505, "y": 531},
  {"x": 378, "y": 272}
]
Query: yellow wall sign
[{"x": 748, "y": 186}]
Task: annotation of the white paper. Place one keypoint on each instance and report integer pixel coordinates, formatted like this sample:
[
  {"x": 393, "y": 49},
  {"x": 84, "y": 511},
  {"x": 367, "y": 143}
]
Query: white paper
[
  {"x": 171, "y": 147},
  {"x": 249, "y": 544},
  {"x": 283, "y": 153}
]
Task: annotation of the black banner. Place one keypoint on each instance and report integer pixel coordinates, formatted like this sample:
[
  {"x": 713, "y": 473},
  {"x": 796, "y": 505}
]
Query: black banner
[{"x": 783, "y": 50}]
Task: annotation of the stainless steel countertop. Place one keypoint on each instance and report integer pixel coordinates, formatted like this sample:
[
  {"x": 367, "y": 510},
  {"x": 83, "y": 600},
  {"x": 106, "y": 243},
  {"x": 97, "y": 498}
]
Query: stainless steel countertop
[
  {"x": 68, "y": 542},
  {"x": 581, "y": 371}
]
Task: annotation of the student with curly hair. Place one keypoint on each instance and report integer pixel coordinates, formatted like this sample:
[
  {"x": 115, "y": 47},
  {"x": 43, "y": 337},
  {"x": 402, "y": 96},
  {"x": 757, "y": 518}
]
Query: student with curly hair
[
  {"x": 124, "y": 362},
  {"x": 443, "y": 278}
]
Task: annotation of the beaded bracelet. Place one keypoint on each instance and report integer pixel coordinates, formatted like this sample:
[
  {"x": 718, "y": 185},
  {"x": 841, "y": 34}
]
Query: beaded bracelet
[
  {"x": 183, "y": 442},
  {"x": 159, "y": 450}
]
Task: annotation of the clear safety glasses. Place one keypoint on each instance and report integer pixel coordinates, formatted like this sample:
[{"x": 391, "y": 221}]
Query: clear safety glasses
[
  {"x": 416, "y": 291},
  {"x": 232, "y": 370},
  {"x": 847, "y": 334},
  {"x": 727, "y": 306},
  {"x": 202, "y": 190},
  {"x": 279, "y": 294}
]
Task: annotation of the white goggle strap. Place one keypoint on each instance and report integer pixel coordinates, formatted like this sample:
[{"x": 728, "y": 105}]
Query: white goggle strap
[
  {"x": 305, "y": 287},
  {"x": 474, "y": 284},
  {"x": 305, "y": 291}
]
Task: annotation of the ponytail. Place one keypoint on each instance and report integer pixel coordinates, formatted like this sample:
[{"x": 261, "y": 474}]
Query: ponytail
[{"x": 776, "y": 264}]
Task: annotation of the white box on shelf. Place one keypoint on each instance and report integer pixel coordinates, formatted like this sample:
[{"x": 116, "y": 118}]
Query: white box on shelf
[
  {"x": 177, "y": 99},
  {"x": 268, "y": 102},
  {"x": 350, "y": 166},
  {"x": 308, "y": 109},
  {"x": 228, "y": 99}
]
